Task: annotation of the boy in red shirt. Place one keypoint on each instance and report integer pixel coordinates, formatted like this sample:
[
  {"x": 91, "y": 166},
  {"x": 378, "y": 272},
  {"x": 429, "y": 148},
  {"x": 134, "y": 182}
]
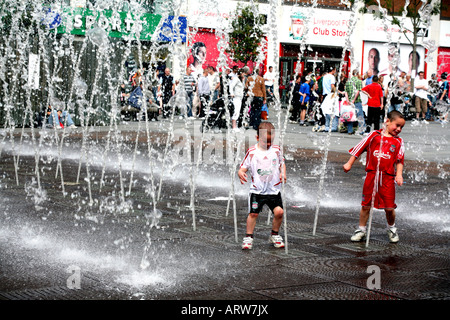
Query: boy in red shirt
[
  {"x": 374, "y": 103},
  {"x": 384, "y": 167}
]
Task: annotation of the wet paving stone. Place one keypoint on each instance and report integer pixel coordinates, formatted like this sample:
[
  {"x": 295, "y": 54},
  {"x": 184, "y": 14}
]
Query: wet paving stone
[{"x": 121, "y": 255}]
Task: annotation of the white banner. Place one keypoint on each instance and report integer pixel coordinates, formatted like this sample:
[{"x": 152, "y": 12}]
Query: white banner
[
  {"x": 33, "y": 71},
  {"x": 444, "y": 34},
  {"x": 325, "y": 27},
  {"x": 208, "y": 14},
  {"x": 374, "y": 30}
]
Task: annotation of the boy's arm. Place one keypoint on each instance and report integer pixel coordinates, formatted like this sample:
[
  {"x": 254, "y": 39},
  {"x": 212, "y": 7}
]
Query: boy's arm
[
  {"x": 399, "y": 174},
  {"x": 242, "y": 175},
  {"x": 349, "y": 164}
]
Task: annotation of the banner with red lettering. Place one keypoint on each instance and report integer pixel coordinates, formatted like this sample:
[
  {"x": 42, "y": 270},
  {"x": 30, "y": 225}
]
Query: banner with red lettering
[{"x": 322, "y": 27}]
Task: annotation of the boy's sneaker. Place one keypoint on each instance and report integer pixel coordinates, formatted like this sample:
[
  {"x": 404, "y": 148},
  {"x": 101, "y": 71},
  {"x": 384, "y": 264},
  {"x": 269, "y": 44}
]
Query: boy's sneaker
[
  {"x": 358, "y": 236},
  {"x": 393, "y": 235},
  {"x": 247, "y": 243},
  {"x": 277, "y": 241}
]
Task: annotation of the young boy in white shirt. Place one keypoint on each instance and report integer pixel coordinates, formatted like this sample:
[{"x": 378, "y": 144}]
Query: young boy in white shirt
[{"x": 268, "y": 171}]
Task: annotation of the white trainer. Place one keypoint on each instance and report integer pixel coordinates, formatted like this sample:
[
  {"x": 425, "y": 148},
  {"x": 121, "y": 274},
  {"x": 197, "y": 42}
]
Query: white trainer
[
  {"x": 277, "y": 241},
  {"x": 393, "y": 235},
  {"x": 358, "y": 236},
  {"x": 247, "y": 243}
]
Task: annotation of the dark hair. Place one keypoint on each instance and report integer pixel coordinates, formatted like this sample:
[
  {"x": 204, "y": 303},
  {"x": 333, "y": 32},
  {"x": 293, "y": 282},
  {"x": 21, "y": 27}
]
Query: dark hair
[
  {"x": 375, "y": 78},
  {"x": 195, "y": 48},
  {"x": 394, "y": 114},
  {"x": 197, "y": 45}
]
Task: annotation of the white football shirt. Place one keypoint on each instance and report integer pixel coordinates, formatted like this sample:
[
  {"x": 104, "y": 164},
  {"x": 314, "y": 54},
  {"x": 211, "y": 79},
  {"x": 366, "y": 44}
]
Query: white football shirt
[{"x": 264, "y": 167}]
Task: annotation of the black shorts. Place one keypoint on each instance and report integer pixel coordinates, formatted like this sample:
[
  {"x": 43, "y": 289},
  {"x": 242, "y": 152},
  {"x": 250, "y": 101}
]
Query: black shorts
[
  {"x": 257, "y": 202},
  {"x": 304, "y": 106}
]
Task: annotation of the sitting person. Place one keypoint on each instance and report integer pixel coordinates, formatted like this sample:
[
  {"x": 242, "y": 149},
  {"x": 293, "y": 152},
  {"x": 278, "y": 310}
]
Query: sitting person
[
  {"x": 152, "y": 110},
  {"x": 59, "y": 118},
  {"x": 135, "y": 103}
]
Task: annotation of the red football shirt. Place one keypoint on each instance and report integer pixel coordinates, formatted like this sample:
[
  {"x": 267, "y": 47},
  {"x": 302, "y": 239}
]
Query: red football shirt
[
  {"x": 376, "y": 94},
  {"x": 392, "y": 152}
]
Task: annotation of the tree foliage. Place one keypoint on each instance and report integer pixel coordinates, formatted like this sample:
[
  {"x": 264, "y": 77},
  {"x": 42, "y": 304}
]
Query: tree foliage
[{"x": 246, "y": 34}]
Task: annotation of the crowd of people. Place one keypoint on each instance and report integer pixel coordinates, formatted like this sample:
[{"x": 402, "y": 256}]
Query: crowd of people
[
  {"x": 337, "y": 106},
  {"x": 353, "y": 104},
  {"x": 198, "y": 90}
]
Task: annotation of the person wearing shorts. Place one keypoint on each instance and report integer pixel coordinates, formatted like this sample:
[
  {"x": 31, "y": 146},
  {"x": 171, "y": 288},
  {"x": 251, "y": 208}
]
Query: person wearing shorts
[
  {"x": 421, "y": 96},
  {"x": 305, "y": 90},
  {"x": 385, "y": 191},
  {"x": 266, "y": 164},
  {"x": 384, "y": 169},
  {"x": 257, "y": 202}
]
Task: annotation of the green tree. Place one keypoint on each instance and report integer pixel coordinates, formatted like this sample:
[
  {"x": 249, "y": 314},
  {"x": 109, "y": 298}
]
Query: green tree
[{"x": 246, "y": 35}]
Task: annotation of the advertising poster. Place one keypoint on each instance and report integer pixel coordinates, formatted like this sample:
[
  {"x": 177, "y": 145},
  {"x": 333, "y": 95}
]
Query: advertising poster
[
  {"x": 204, "y": 52},
  {"x": 376, "y": 57},
  {"x": 443, "y": 61}
]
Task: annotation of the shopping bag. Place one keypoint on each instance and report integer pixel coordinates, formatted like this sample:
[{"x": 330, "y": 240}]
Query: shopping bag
[
  {"x": 264, "y": 112},
  {"x": 347, "y": 112},
  {"x": 364, "y": 99},
  {"x": 330, "y": 104}
]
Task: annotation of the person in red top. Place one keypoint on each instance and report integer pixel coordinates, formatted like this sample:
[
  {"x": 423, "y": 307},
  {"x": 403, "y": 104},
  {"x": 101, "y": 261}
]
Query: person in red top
[
  {"x": 374, "y": 103},
  {"x": 384, "y": 168}
]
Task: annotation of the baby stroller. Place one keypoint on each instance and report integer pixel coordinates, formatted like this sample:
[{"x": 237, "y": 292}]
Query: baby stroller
[
  {"x": 217, "y": 116},
  {"x": 409, "y": 110}
]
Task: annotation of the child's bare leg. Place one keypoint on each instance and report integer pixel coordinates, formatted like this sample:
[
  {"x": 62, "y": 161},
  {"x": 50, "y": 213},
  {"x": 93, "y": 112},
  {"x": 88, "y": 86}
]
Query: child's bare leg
[
  {"x": 364, "y": 216},
  {"x": 392, "y": 230},
  {"x": 360, "y": 233},
  {"x": 277, "y": 219},
  {"x": 251, "y": 222},
  {"x": 390, "y": 216}
]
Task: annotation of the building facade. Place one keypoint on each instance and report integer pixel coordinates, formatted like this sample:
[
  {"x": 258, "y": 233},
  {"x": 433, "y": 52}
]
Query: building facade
[{"x": 328, "y": 34}]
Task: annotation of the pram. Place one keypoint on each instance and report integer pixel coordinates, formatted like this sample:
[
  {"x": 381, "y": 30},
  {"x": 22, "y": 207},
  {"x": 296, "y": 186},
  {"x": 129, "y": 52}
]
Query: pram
[
  {"x": 409, "y": 110},
  {"x": 217, "y": 116}
]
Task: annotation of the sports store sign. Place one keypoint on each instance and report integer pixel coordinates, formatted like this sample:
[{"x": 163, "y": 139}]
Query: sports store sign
[
  {"x": 325, "y": 27},
  {"x": 78, "y": 21}
]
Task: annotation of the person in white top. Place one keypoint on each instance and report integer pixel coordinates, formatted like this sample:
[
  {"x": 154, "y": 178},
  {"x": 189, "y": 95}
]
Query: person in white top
[
  {"x": 214, "y": 83},
  {"x": 268, "y": 171},
  {"x": 269, "y": 78},
  {"x": 421, "y": 94},
  {"x": 234, "y": 71},
  {"x": 237, "y": 94}
]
